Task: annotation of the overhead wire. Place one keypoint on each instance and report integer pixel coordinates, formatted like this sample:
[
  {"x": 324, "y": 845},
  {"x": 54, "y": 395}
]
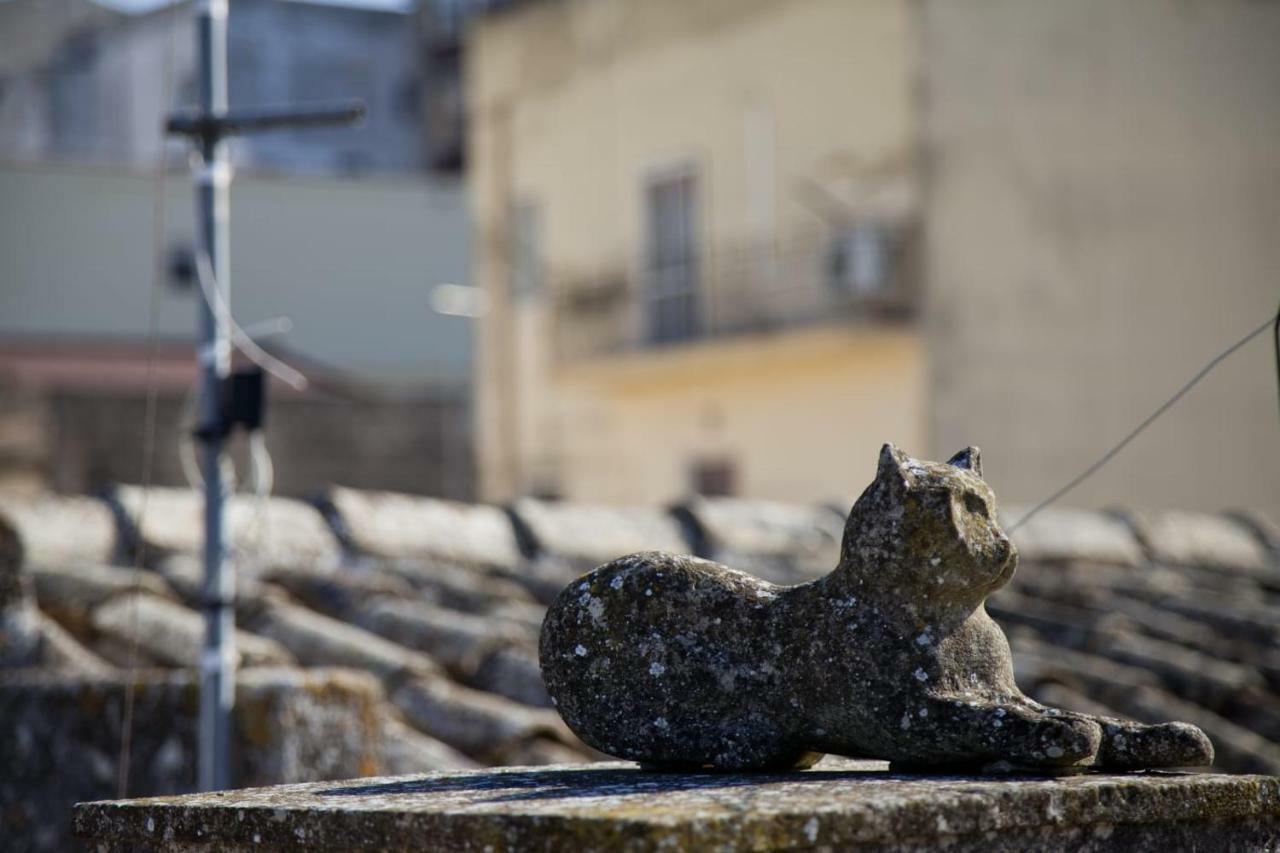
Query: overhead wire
[
  {"x": 1154, "y": 416},
  {"x": 159, "y": 217},
  {"x": 239, "y": 338}
]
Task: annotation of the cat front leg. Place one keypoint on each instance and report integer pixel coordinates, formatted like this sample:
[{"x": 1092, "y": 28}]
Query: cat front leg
[
  {"x": 963, "y": 729},
  {"x": 1128, "y": 745}
]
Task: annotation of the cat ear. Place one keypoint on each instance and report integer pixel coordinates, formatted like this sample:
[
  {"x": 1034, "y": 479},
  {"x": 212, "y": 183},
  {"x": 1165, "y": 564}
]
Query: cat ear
[
  {"x": 969, "y": 459},
  {"x": 893, "y": 467}
]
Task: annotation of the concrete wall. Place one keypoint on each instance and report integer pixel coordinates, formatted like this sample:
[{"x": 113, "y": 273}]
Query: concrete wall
[
  {"x": 60, "y": 739},
  {"x": 1103, "y": 216},
  {"x": 575, "y": 106},
  {"x": 352, "y": 263}
]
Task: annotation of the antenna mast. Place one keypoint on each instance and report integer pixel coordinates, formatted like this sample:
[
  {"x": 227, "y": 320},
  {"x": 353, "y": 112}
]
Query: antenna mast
[{"x": 207, "y": 130}]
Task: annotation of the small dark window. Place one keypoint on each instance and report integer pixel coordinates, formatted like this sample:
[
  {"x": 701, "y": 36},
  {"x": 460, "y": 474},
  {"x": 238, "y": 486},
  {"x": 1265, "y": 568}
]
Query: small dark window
[
  {"x": 525, "y": 250},
  {"x": 409, "y": 99},
  {"x": 860, "y": 261},
  {"x": 715, "y": 477},
  {"x": 182, "y": 267},
  {"x": 671, "y": 259}
]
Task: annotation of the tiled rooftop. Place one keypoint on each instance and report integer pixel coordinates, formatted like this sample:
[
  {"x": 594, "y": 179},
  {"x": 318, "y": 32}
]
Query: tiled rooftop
[{"x": 1149, "y": 615}]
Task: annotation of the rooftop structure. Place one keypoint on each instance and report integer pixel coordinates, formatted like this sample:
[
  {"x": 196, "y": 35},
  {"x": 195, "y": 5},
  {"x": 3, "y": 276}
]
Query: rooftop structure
[
  {"x": 738, "y": 240},
  {"x": 1149, "y": 615}
]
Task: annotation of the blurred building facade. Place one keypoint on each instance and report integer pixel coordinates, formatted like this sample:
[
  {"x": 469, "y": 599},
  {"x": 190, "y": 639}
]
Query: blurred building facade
[
  {"x": 701, "y": 273},
  {"x": 1103, "y": 217},
  {"x": 733, "y": 246},
  {"x": 350, "y": 264},
  {"x": 344, "y": 231},
  {"x": 93, "y": 91}
]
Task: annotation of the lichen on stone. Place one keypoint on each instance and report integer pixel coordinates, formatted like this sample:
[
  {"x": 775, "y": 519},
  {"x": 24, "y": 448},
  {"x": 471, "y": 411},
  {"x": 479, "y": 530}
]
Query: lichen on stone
[{"x": 892, "y": 655}]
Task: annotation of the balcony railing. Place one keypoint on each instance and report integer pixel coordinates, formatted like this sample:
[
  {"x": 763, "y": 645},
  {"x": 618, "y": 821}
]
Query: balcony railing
[{"x": 864, "y": 274}]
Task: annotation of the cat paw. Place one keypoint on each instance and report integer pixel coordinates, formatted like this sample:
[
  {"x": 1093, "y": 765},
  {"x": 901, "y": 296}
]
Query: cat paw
[
  {"x": 1062, "y": 742},
  {"x": 1134, "y": 746}
]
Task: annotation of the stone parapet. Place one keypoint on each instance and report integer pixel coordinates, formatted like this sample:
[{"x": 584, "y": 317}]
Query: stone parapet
[
  {"x": 838, "y": 805},
  {"x": 61, "y": 738}
]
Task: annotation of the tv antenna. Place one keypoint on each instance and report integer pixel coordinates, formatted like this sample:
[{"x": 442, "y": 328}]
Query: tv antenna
[{"x": 207, "y": 129}]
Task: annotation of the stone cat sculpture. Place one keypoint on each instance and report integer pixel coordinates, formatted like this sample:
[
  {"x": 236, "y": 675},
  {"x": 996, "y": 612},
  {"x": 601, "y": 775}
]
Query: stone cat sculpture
[{"x": 678, "y": 662}]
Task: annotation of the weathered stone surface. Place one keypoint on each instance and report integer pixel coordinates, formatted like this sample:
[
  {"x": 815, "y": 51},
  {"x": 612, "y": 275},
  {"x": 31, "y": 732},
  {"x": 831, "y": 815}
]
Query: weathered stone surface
[
  {"x": 1062, "y": 696},
  {"x": 680, "y": 662},
  {"x": 1057, "y": 534},
  {"x": 184, "y": 575},
  {"x": 1137, "y": 694},
  {"x": 1063, "y": 624},
  {"x": 61, "y": 652},
  {"x": 589, "y": 535},
  {"x": 320, "y": 641},
  {"x": 1264, "y": 524},
  {"x": 338, "y": 592},
  {"x": 172, "y": 635},
  {"x": 12, "y": 558},
  {"x": 21, "y": 637},
  {"x": 58, "y": 529},
  {"x": 28, "y": 637},
  {"x": 456, "y": 587},
  {"x": 545, "y": 576},
  {"x": 70, "y": 591},
  {"x": 527, "y": 615},
  {"x": 786, "y": 543},
  {"x": 459, "y": 641},
  {"x": 493, "y": 652},
  {"x": 614, "y": 807},
  {"x": 60, "y": 739},
  {"x": 539, "y": 751},
  {"x": 395, "y": 525},
  {"x": 271, "y": 530},
  {"x": 407, "y": 750},
  {"x": 1198, "y": 539},
  {"x": 512, "y": 672},
  {"x": 484, "y": 726},
  {"x": 1194, "y": 675},
  {"x": 1238, "y": 616}
]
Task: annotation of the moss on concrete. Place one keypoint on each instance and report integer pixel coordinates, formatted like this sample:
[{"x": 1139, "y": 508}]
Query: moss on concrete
[{"x": 614, "y": 806}]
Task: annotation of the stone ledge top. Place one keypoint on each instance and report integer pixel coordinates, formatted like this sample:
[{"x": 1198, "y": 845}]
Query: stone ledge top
[{"x": 614, "y": 806}]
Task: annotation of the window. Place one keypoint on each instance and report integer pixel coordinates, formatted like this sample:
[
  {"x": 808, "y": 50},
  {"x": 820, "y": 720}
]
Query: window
[
  {"x": 525, "y": 250},
  {"x": 714, "y": 477},
  {"x": 673, "y": 312},
  {"x": 181, "y": 266},
  {"x": 859, "y": 261}
]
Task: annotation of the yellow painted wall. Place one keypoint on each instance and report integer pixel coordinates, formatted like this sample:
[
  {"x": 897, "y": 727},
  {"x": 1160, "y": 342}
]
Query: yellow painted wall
[
  {"x": 575, "y": 105},
  {"x": 800, "y": 416}
]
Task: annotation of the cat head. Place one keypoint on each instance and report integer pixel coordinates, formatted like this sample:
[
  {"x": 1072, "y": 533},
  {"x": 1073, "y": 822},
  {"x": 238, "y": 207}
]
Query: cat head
[{"x": 931, "y": 525}]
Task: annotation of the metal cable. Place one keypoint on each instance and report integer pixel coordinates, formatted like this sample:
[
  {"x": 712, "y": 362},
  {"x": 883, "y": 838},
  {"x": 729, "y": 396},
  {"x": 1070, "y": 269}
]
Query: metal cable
[
  {"x": 1150, "y": 419},
  {"x": 158, "y": 229}
]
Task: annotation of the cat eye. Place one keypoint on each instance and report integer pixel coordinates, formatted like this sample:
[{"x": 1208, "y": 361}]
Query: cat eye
[{"x": 975, "y": 505}]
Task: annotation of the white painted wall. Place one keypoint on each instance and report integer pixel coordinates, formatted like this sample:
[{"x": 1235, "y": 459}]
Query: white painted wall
[{"x": 352, "y": 263}]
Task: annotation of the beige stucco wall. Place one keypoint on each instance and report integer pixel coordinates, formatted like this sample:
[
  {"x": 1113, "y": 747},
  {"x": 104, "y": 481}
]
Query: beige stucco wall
[
  {"x": 575, "y": 104},
  {"x": 802, "y": 416},
  {"x": 1103, "y": 216}
]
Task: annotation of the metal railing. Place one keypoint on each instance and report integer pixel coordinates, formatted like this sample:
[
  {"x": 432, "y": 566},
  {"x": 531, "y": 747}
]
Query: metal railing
[{"x": 865, "y": 274}]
